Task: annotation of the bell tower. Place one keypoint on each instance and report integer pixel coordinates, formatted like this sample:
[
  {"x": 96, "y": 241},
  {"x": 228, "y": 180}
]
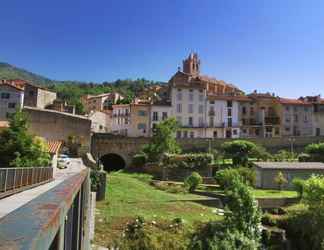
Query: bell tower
[{"x": 191, "y": 65}]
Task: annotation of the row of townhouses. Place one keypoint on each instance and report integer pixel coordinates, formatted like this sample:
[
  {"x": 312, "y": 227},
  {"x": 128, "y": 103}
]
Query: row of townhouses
[
  {"x": 203, "y": 106},
  {"x": 210, "y": 108}
]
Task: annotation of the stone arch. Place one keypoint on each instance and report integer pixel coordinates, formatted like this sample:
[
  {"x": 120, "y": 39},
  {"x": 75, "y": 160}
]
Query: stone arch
[{"x": 113, "y": 162}]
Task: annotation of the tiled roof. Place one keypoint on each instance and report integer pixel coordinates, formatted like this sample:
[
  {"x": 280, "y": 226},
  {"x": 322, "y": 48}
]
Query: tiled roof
[
  {"x": 290, "y": 165},
  {"x": 54, "y": 146},
  {"x": 293, "y": 101},
  {"x": 14, "y": 85},
  {"x": 242, "y": 98}
]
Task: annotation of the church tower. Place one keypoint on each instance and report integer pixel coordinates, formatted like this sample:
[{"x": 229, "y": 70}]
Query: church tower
[{"x": 191, "y": 65}]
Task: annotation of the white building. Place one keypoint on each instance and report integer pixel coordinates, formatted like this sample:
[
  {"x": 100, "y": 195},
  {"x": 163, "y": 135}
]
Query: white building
[
  {"x": 11, "y": 99},
  {"x": 159, "y": 112},
  {"x": 121, "y": 119},
  {"x": 101, "y": 122}
]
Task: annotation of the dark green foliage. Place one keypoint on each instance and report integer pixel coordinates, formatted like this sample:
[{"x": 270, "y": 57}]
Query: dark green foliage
[
  {"x": 298, "y": 185},
  {"x": 20, "y": 149},
  {"x": 315, "y": 151},
  {"x": 139, "y": 160},
  {"x": 163, "y": 141},
  {"x": 193, "y": 161},
  {"x": 268, "y": 220},
  {"x": 241, "y": 228},
  {"x": 193, "y": 181},
  {"x": 240, "y": 151},
  {"x": 225, "y": 177}
]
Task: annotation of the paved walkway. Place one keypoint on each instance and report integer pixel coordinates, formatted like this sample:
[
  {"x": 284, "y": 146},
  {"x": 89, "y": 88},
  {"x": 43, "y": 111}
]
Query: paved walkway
[{"x": 11, "y": 203}]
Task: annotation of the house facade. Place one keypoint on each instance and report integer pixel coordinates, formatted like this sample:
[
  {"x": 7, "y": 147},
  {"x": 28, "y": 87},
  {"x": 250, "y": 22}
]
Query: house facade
[
  {"x": 121, "y": 119},
  {"x": 11, "y": 99},
  {"x": 38, "y": 97},
  {"x": 102, "y": 102}
]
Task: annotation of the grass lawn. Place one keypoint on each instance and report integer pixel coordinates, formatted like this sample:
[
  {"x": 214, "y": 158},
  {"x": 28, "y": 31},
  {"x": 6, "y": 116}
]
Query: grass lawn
[{"x": 131, "y": 195}]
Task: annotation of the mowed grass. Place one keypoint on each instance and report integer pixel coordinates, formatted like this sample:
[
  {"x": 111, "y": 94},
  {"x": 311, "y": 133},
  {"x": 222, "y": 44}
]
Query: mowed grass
[{"x": 131, "y": 195}]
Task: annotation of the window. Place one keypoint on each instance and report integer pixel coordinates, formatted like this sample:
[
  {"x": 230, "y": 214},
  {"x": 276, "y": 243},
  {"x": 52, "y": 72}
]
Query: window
[
  {"x": 287, "y": 108},
  {"x": 305, "y": 119},
  {"x": 201, "y": 121},
  {"x": 201, "y": 98},
  {"x": 164, "y": 115},
  {"x": 277, "y": 131},
  {"x": 201, "y": 109},
  {"x": 234, "y": 131},
  {"x": 295, "y": 109},
  {"x": 155, "y": 116},
  {"x": 229, "y": 112},
  {"x": 140, "y": 112},
  {"x": 244, "y": 110},
  {"x": 257, "y": 131},
  {"x": 5, "y": 95},
  {"x": 179, "y": 108},
  {"x": 287, "y": 129},
  {"x": 229, "y": 104},
  {"x": 215, "y": 134},
  {"x": 191, "y": 97},
  {"x": 212, "y": 102},
  {"x": 100, "y": 127},
  {"x": 178, "y": 134},
  {"x": 192, "y": 134},
  {"x": 11, "y": 105},
  {"x": 190, "y": 108},
  {"x": 141, "y": 126},
  {"x": 179, "y": 96},
  {"x": 190, "y": 121},
  {"x": 31, "y": 93},
  {"x": 295, "y": 118},
  {"x": 185, "y": 134},
  {"x": 229, "y": 122}
]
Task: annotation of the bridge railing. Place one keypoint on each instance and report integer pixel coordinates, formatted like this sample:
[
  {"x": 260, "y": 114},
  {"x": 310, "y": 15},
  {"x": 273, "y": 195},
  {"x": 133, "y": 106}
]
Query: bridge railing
[
  {"x": 57, "y": 219},
  {"x": 13, "y": 180}
]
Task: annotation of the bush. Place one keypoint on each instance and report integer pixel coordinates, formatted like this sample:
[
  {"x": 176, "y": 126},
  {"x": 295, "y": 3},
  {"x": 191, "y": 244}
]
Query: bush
[
  {"x": 284, "y": 155},
  {"x": 316, "y": 151},
  {"x": 268, "y": 220},
  {"x": 225, "y": 177},
  {"x": 280, "y": 180},
  {"x": 193, "y": 181},
  {"x": 193, "y": 161},
  {"x": 298, "y": 185},
  {"x": 139, "y": 160}
]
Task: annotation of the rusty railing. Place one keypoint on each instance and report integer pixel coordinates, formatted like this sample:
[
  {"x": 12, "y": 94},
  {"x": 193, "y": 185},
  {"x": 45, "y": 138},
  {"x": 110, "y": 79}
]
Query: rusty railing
[{"x": 13, "y": 180}]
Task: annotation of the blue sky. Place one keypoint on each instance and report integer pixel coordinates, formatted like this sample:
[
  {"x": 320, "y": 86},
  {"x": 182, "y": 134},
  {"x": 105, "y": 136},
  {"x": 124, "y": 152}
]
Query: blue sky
[{"x": 275, "y": 46}]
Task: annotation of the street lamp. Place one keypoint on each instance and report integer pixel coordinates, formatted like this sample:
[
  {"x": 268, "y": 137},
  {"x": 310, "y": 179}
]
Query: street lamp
[{"x": 291, "y": 140}]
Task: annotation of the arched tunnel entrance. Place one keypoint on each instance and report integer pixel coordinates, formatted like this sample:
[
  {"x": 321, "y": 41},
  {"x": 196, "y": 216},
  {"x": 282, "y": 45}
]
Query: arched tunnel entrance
[{"x": 112, "y": 162}]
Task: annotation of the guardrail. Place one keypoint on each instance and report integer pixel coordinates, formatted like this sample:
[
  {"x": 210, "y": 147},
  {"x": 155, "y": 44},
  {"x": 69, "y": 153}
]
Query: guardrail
[
  {"x": 13, "y": 180},
  {"x": 57, "y": 219}
]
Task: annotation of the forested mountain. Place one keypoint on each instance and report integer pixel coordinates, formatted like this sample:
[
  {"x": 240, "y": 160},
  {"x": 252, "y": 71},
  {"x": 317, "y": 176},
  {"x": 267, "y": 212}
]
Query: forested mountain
[{"x": 71, "y": 91}]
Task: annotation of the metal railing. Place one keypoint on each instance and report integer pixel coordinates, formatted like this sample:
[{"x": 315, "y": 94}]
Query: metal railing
[
  {"x": 15, "y": 179},
  {"x": 57, "y": 219}
]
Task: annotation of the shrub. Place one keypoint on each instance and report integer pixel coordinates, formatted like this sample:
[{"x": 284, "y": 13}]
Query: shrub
[
  {"x": 240, "y": 151},
  {"x": 298, "y": 185},
  {"x": 316, "y": 151},
  {"x": 284, "y": 155},
  {"x": 193, "y": 161},
  {"x": 139, "y": 160},
  {"x": 225, "y": 177},
  {"x": 193, "y": 181},
  {"x": 268, "y": 220}
]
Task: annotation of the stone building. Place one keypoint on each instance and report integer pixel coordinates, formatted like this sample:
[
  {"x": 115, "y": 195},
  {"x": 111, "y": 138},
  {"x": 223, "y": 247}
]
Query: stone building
[
  {"x": 260, "y": 116},
  {"x": 297, "y": 117},
  {"x": 160, "y": 111},
  {"x": 54, "y": 125},
  {"x": 100, "y": 121},
  {"x": 139, "y": 120},
  {"x": 120, "y": 119},
  {"x": 189, "y": 93},
  {"x": 38, "y": 97},
  {"x": 11, "y": 99},
  {"x": 102, "y": 102}
]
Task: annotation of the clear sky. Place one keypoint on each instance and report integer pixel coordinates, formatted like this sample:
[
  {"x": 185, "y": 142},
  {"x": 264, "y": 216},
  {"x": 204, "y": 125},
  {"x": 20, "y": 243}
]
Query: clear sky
[{"x": 269, "y": 45}]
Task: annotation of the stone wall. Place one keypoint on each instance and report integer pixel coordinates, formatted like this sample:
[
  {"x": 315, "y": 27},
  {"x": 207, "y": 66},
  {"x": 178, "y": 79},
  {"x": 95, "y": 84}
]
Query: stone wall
[{"x": 54, "y": 125}]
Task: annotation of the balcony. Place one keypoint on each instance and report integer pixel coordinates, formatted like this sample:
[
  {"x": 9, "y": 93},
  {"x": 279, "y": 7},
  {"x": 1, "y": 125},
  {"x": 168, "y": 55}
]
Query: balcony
[{"x": 272, "y": 120}]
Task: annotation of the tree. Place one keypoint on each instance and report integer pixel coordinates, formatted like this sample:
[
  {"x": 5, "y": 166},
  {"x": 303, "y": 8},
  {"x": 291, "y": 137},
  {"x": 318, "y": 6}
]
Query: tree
[
  {"x": 20, "y": 149},
  {"x": 241, "y": 228},
  {"x": 163, "y": 140},
  {"x": 280, "y": 180},
  {"x": 315, "y": 151},
  {"x": 240, "y": 151}
]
